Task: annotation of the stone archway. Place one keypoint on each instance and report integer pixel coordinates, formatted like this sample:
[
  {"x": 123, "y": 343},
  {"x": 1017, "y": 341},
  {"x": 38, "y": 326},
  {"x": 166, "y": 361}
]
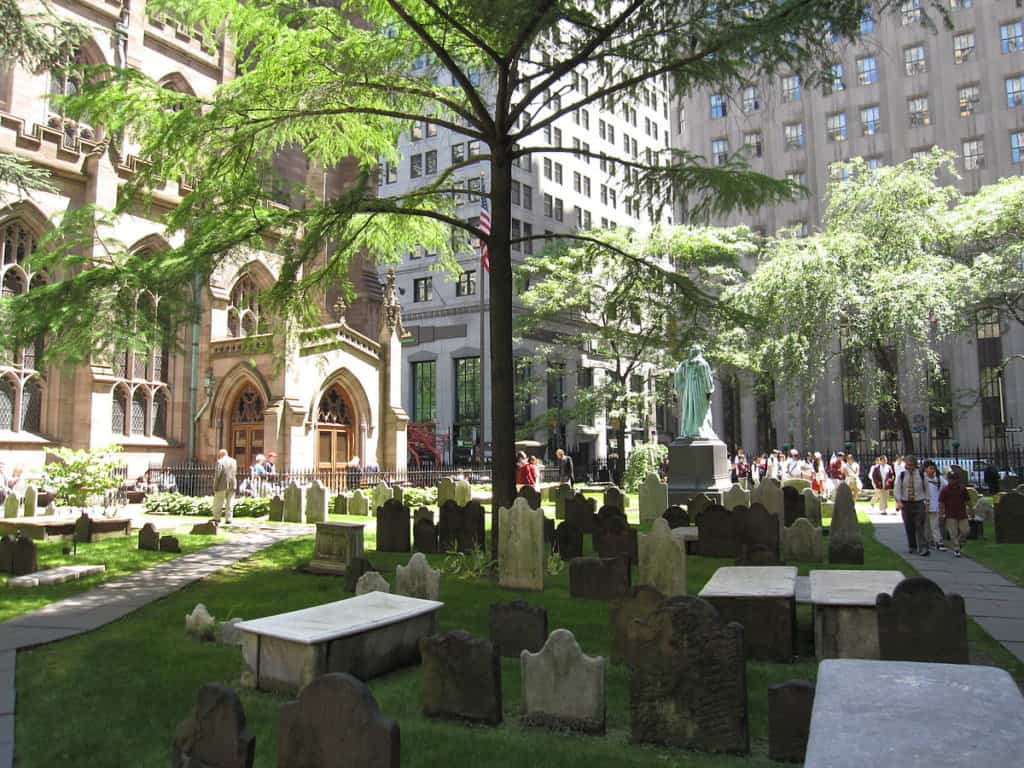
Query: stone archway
[{"x": 336, "y": 430}]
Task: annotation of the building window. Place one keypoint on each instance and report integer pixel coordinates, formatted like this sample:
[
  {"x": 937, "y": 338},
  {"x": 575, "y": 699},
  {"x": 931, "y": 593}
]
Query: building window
[
  {"x": 988, "y": 325},
  {"x": 244, "y": 313},
  {"x": 458, "y": 153},
  {"x": 867, "y": 23},
  {"x": 834, "y": 82},
  {"x": 720, "y": 151},
  {"x": 870, "y": 120},
  {"x": 1014, "y": 91},
  {"x": 940, "y": 412},
  {"x": 549, "y": 205},
  {"x": 548, "y": 167},
  {"x": 527, "y": 197},
  {"x": 558, "y": 173},
  {"x": 957, "y": 5},
  {"x": 424, "y": 391},
  {"x": 1011, "y": 37},
  {"x": 963, "y": 47},
  {"x": 1017, "y": 146},
  {"x": 473, "y": 148},
  {"x": 752, "y": 143},
  {"x": 751, "y": 101},
  {"x": 797, "y": 177},
  {"x": 430, "y": 162},
  {"x": 415, "y": 166},
  {"x": 466, "y": 286},
  {"x": 467, "y": 398},
  {"x": 422, "y": 289},
  {"x": 974, "y": 154},
  {"x": 559, "y": 209},
  {"x": 867, "y": 70},
  {"x": 791, "y": 88},
  {"x": 835, "y": 126},
  {"x": 914, "y": 60},
  {"x": 794, "y": 135},
  {"x": 917, "y": 107},
  {"x": 718, "y": 108},
  {"x": 910, "y": 12},
  {"x": 527, "y": 237},
  {"x": 968, "y": 96}
]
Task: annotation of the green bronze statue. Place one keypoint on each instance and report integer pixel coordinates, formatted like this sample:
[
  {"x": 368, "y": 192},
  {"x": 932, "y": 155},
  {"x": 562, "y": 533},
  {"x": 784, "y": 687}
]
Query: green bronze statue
[{"x": 694, "y": 386}]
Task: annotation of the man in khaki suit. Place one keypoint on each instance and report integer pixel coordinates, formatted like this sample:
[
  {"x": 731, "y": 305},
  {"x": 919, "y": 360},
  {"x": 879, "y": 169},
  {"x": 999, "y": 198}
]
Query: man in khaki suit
[{"x": 224, "y": 484}]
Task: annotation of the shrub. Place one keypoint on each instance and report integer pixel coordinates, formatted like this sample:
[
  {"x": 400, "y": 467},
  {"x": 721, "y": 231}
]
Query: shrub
[
  {"x": 644, "y": 459},
  {"x": 419, "y": 497},
  {"x": 202, "y": 506}
]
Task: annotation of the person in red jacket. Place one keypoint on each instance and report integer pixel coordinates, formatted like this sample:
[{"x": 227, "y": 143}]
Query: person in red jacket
[
  {"x": 953, "y": 501},
  {"x": 522, "y": 469}
]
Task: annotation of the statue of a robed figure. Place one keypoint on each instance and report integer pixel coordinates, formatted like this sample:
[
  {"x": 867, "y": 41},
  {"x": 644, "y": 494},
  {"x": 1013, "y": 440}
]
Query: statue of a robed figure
[{"x": 695, "y": 385}]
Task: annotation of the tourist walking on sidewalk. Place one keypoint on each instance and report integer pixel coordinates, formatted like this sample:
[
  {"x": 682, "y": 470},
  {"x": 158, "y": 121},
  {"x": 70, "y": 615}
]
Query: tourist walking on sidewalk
[
  {"x": 882, "y": 480},
  {"x": 225, "y": 479},
  {"x": 935, "y": 485},
  {"x": 911, "y": 498},
  {"x": 953, "y": 500}
]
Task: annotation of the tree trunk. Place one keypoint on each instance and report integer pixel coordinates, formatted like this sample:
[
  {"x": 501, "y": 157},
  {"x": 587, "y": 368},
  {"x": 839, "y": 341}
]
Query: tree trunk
[
  {"x": 884, "y": 361},
  {"x": 503, "y": 429}
]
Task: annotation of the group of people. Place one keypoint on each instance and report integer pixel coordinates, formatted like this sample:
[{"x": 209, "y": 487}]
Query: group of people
[
  {"x": 927, "y": 502},
  {"x": 530, "y": 470},
  {"x": 824, "y": 476}
]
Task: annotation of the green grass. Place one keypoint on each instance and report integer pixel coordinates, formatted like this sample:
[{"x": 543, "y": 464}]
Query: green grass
[
  {"x": 1005, "y": 559},
  {"x": 121, "y": 556},
  {"x": 121, "y": 690}
]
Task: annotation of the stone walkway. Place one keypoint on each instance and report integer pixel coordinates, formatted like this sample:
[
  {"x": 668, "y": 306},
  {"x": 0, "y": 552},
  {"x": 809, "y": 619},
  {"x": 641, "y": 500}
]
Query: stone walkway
[
  {"x": 113, "y": 600},
  {"x": 997, "y": 604}
]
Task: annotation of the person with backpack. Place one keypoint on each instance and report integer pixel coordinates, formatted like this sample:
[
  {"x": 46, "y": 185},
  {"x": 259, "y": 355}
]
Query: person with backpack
[
  {"x": 953, "y": 500},
  {"x": 911, "y": 492},
  {"x": 936, "y": 482}
]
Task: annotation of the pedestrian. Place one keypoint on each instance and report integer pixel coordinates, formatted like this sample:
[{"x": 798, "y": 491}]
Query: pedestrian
[
  {"x": 225, "y": 475},
  {"x": 911, "y": 499},
  {"x": 534, "y": 472},
  {"x": 991, "y": 477},
  {"x": 792, "y": 467},
  {"x": 566, "y": 471},
  {"x": 953, "y": 499},
  {"x": 881, "y": 476},
  {"x": 935, "y": 485},
  {"x": 851, "y": 470},
  {"x": 522, "y": 473}
]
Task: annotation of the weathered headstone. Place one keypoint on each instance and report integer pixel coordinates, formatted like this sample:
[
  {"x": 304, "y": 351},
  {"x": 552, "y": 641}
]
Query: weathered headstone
[
  {"x": 445, "y": 491},
  {"x": 549, "y": 533},
  {"x": 336, "y": 546},
  {"x": 676, "y": 517},
  {"x": 521, "y": 547},
  {"x": 562, "y": 492},
  {"x": 354, "y": 571},
  {"x": 463, "y": 492},
  {"x": 340, "y": 504},
  {"x": 735, "y": 497},
  {"x": 393, "y": 527},
  {"x": 569, "y": 541},
  {"x": 316, "y": 502},
  {"x": 803, "y": 542},
  {"x": 796, "y": 483},
  {"x": 471, "y": 528},
  {"x": 149, "y": 538},
  {"x": 209, "y": 528},
  {"x": 169, "y": 544},
  {"x": 276, "y": 509},
  {"x": 382, "y": 492},
  {"x": 517, "y": 627},
  {"x": 372, "y": 581},
  {"x": 461, "y": 678},
  {"x": 792, "y": 504},
  {"x": 596, "y": 578},
  {"x": 653, "y": 498},
  {"x": 614, "y": 497},
  {"x": 422, "y": 513},
  {"x": 6, "y": 554},
  {"x": 532, "y": 497},
  {"x": 844, "y": 541},
  {"x": 24, "y": 556},
  {"x": 1009, "y": 519},
  {"x": 919, "y": 622},
  {"x": 663, "y": 560},
  {"x": 757, "y": 533},
  {"x": 215, "y": 733},
  {"x": 562, "y": 687},
  {"x": 622, "y": 612},
  {"x": 984, "y": 510},
  {"x": 418, "y": 579},
  {"x": 424, "y": 536},
  {"x": 812, "y": 506},
  {"x": 358, "y": 504},
  {"x": 580, "y": 511},
  {"x": 718, "y": 535},
  {"x": 789, "y": 720},
  {"x": 698, "y": 504},
  {"x": 398, "y": 493},
  {"x": 605, "y": 516},
  {"x": 28, "y": 501},
  {"x": 11, "y": 505},
  {"x": 199, "y": 623},
  {"x": 293, "y": 503},
  {"x": 309, "y": 735},
  {"x": 617, "y": 539},
  {"x": 688, "y": 686}
]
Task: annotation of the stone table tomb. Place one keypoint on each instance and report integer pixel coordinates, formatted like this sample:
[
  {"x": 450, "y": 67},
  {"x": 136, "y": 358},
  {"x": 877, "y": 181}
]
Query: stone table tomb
[
  {"x": 337, "y": 545},
  {"x": 845, "y": 617},
  {"x": 763, "y": 600}
]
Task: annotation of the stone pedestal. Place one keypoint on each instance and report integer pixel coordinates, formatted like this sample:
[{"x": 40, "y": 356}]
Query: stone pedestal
[
  {"x": 696, "y": 467},
  {"x": 337, "y": 545}
]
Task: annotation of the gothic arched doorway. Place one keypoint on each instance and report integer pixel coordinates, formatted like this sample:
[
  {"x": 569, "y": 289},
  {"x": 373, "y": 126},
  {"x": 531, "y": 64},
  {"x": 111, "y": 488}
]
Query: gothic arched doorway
[
  {"x": 247, "y": 426},
  {"x": 334, "y": 432}
]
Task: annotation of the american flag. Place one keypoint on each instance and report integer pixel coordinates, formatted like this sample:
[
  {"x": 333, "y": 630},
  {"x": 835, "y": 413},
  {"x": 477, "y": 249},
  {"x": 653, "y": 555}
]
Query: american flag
[{"x": 485, "y": 227}]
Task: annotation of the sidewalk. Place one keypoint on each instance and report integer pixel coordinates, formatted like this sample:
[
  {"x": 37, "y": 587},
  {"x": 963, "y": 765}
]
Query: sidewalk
[
  {"x": 997, "y": 604},
  {"x": 113, "y": 600}
]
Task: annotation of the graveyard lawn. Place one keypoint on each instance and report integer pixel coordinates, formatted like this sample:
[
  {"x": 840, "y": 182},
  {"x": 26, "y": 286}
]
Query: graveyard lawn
[
  {"x": 121, "y": 556},
  {"x": 1005, "y": 559},
  {"x": 122, "y": 690}
]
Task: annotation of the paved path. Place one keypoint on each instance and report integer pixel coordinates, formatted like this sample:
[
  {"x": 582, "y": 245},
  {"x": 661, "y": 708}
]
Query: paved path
[
  {"x": 113, "y": 600},
  {"x": 995, "y": 603}
]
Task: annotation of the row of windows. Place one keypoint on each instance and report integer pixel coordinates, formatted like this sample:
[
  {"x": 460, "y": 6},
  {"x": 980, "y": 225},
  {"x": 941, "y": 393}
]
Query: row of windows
[{"x": 423, "y": 287}]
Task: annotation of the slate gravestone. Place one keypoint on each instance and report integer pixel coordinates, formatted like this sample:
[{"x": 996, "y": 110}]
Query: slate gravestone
[
  {"x": 757, "y": 533},
  {"x": 393, "y": 527},
  {"x": 28, "y": 501},
  {"x": 549, "y": 533},
  {"x": 293, "y": 503},
  {"x": 984, "y": 510},
  {"x": 381, "y": 493},
  {"x": 517, "y": 627},
  {"x": 316, "y": 502},
  {"x": 424, "y": 536},
  {"x": 613, "y": 497},
  {"x": 358, "y": 504},
  {"x": 562, "y": 492},
  {"x": 532, "y": 497},
  {"x": 802, "y": 542},
  {"x": 569, "y": 541},
  {"x": 309, "y": 735},
  {"x": 11, "y": 505},
  {"x": 663, "y": 560},
  {"x": 676, "y": 517},
  {"x": 169, "y": 544},
  {"x": 372, "y": 581},
  {"x": 214, "y": 735},
  {"x": 1009, "y": 519},
  {"x": 621, "y": 614},
  {"x": 596, "y": 578},
  {"x": 471, "y": 531},
  {"x": 919, "y": 622},
  {"x": 398, "y": 493},
  {"x": 769, "y": 495},
  {"x": 418, "y": 579},
  {"x": 445, "y": 491},
  {"x": 354, "y": 571},
  {"x": 149, "y": 538},
  {"x": 448, "y": 525},
  {"x": 812, "y": 506},
  {"x": 797, "y": 483},
  {"x": 789, "y": 720},
  {"x": 717, "y": 532},
  {"x": 580, "y": 511},
  {"x": 6, "y": 554},
  {"x": 521, "y": 547},
  {"x": 698, "y": 504},
  {"x": 617, "y": 539},
  {"x": 735, "y": 497},
  {"x": 562, "y": 687},
  {"x": 422, "y": 513},
  {"x": 461, "y": 678},
  {"x": 340, "y": 504},
  {"x": 792, "y": 504},
  {"x": 688, "y": 686},
  {"x": 83, "y": 528},
  {"x": 209, "y": 528},
  {"x": 653, "y": 498},
  {"x": 276, "y": 509},
  {"x": 463, "y": 492},
  {"x": 844, "y": 541},
  {"x": 24, "y": 556},
  {"x": 605, "y": 517}
]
